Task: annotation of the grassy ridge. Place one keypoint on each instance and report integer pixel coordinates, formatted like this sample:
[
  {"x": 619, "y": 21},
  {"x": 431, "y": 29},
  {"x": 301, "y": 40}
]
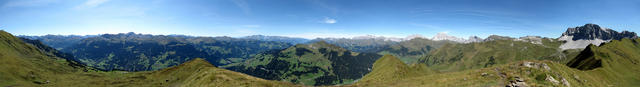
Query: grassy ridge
[
  {"x": 619, "y": 67},
  {"x": 390, "y": 68},
  {"x": 504, "y": 74},
  {"x": 618, "y": 60},
  {"x": 25, "y": 64},
  {"x": 411, "y": 50},
  {"x": 457, "y": 57}
]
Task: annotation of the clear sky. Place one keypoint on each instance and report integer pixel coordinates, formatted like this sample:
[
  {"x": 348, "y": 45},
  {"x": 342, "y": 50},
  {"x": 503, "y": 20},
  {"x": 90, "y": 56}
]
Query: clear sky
[{"x": 315, "y": 18}]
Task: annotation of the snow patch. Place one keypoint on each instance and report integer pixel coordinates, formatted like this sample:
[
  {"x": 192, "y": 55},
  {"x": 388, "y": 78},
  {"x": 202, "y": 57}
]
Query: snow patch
[
  {"x": 444, "y": 36},
  {"x": 578, "y": 44}
]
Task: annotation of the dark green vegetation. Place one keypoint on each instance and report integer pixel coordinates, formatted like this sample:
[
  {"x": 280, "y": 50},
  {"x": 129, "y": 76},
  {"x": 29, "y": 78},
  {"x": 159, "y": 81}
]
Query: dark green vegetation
[
  {"x": 318, "y": 63},
  {"x": 135, "y": 52},
  {"x": 30, "y": 65},
  {"x": 457, "y": 57}
]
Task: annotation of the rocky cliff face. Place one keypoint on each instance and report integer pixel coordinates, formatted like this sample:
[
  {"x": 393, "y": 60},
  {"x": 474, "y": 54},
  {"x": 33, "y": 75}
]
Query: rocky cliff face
[
  {"x": 581, "y": 36},
  {"x": 593, "y": 31}
]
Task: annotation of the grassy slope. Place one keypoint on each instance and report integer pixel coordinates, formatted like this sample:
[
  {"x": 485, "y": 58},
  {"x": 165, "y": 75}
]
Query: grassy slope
[
  {"x": 24, "y": 65},
  {"x": 199, "y": 72},
  {"x": 457, "y": 57},
  {"x": 390, "y": 68},
  {"x": 137, "y": 52},
  {"x": 410, "y": 51},
  {"x": 619, "y": 59},
  {"x": 501, "y": 75},
  {"x": 619, "y": 68}
]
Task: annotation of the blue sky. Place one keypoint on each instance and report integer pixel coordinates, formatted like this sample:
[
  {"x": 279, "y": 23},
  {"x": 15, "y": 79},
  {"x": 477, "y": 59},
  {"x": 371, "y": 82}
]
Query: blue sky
[{"x": 315, "y": 18}]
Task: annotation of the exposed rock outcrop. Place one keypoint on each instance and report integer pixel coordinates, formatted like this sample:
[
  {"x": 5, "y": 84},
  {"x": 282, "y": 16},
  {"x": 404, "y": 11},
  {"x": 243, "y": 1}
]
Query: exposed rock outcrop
[
  {"x": 536, "y": 65},
  {"x": 580, "y": 37},
  {"x": 594, "y": 31},
  {"x": 519, "y": 82},
  {"x": 531, "y": 39},
  {"x": 552, "y": 80},
  {"x": 497, "y": 37}
]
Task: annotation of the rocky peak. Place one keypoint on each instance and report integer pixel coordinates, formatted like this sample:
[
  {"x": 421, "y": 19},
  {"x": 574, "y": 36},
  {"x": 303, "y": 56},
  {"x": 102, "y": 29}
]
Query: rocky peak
[
  {"x": 380, "y": 38},
  {"x": 594, "y": 31},
  {"x": 582, "y": 36},
  {"x": 445, "y": 36},
  {"x": 497, "y": 37}
]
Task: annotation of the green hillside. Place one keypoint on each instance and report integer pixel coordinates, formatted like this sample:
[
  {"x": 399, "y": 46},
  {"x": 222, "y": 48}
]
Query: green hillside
[
  {"x": 199, "y": 73},
  {"x": 618, "y": 60},
  {"x": 457, "y": 57},
  {"x": 318, "y": 63},
  {"x": 140, "y": 52},
  {"x": 618, "y": 66},
  {"x": 390, "y": 68},
  {"x": 25, "y": 65},
  {"x": 411, "y": 50}
]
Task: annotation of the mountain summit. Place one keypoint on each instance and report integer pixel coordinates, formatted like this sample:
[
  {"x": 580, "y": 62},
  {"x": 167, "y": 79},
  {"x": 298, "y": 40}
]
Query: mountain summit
[
  {"x": 444, "y": 36},
  {"x": 593, "y": 31},
  {"x": 581, "y": 36}
]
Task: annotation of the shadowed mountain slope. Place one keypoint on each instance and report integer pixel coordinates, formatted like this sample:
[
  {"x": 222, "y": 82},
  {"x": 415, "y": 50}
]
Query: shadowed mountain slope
[{"x": 318, "y": 63}]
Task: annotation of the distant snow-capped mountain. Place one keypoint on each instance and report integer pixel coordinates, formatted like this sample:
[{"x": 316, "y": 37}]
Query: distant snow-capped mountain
[
  {"x": 445, "y": 36},
  {"x": 292, "y": 40},
  {"x": 379, "y": 38}
]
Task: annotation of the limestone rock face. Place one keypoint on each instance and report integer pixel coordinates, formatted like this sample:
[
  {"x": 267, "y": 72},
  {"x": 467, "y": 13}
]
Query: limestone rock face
[
  {"x": 593, "y": 31},
  {"x": 581, "y": 36}
]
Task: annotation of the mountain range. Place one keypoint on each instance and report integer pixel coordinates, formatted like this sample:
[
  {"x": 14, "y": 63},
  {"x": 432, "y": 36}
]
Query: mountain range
[
  {"x": 318, "y": 63},
  {"x": 136, "y": 52},
  {"x": 609, "y": 58}
]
